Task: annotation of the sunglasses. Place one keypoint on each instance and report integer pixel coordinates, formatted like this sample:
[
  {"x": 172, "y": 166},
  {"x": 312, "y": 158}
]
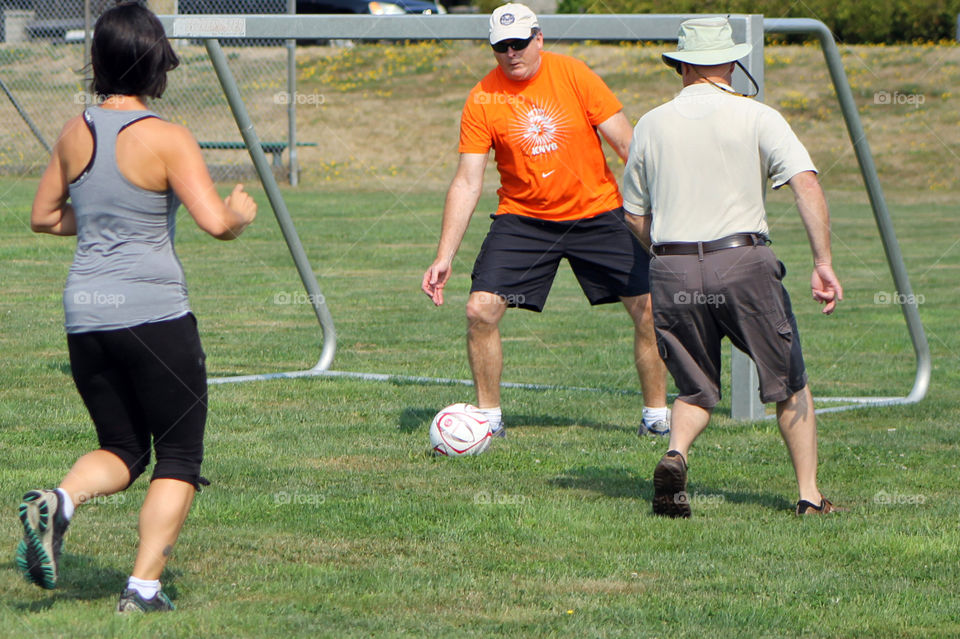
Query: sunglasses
[{"x": 516, "y": 45}]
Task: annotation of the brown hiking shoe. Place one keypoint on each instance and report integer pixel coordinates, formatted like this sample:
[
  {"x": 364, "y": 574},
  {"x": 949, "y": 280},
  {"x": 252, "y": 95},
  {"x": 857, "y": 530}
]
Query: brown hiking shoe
[
  {"x": 670, "y": 486},
  {"x": 805, "y": 507}
]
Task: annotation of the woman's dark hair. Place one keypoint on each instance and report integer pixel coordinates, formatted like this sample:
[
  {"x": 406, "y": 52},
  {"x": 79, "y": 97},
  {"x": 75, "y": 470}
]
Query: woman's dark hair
[{"x": 130, "y": 53}]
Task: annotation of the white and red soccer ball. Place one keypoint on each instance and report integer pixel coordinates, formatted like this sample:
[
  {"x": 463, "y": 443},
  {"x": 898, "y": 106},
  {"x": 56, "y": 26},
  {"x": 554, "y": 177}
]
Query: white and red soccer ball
[{"x": 459, "y": 429}]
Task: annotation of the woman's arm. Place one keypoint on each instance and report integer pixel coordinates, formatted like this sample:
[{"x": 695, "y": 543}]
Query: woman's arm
[
  {"x": 187, "y": 175},
  {"x": 50, "y": 212}
]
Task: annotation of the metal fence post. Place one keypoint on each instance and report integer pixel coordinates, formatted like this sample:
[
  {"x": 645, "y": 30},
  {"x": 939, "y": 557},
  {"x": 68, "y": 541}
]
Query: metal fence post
[
  {"x": 292, "y": 102},
  {"x": 745, "y": 401}
]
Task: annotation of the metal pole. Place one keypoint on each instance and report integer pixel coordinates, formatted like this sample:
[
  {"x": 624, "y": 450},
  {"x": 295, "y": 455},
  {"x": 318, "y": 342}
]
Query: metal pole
[
  {"x": 260, "y": 162},
  {"x": 292, "y": 101},
  {"x": 87, "y": 27},
  {"x": 23, "y": 114},
  {"x": 745, "y": 403},
  {"x": 868, "y": 169}
]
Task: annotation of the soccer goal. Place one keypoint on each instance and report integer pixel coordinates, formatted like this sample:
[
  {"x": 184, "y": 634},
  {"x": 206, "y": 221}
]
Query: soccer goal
[{"x": 747, "y": 28}]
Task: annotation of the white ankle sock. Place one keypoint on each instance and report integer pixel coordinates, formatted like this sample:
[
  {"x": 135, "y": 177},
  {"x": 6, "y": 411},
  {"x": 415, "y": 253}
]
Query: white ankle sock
[
  {"x": 653, "y": 415},
  {"x": 148, "y": 588},
  {"x": 67, "y": 503},
  {"x": 494, "y": 416}
]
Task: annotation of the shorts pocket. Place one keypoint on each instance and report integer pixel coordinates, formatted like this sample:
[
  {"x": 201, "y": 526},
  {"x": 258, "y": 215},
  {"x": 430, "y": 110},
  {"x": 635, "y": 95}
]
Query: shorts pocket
[
  {"x": 750, "y": 287},
  {"x": 785, "y": 330},
  {"x": 665, "y": 283},
  {"x": 666, "y": 287}
]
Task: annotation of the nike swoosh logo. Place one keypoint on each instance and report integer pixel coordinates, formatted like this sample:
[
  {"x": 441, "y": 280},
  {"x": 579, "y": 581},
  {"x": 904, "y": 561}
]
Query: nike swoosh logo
[{"x": 548, "y": 173}]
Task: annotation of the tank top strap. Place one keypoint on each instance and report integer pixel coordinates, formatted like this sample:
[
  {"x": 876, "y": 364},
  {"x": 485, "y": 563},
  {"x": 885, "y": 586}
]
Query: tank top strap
[{"x": 106, "y": 125}]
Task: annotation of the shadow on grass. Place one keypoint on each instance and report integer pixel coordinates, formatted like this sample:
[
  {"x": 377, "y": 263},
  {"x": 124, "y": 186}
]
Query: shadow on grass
[
  {"x": 413, "y": 419},
  {"x": 619, "y": 482},
  {"x": 86, "y": 579}
]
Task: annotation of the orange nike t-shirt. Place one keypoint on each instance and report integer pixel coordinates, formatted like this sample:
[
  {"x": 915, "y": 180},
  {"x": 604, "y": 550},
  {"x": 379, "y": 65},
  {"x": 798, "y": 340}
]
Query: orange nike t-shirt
[{"x": 545, "y": 143}]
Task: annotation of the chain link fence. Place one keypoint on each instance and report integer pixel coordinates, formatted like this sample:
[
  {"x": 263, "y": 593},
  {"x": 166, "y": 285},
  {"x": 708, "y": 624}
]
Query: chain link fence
[{"x": 44, "y": 80}]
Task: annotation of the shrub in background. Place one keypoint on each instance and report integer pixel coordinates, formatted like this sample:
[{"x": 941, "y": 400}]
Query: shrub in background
[{"x": 852, "y": 21}]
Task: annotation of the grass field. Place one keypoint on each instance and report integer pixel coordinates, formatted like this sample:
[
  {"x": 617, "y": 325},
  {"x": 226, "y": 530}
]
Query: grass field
[{"x": 327, "y": 517}]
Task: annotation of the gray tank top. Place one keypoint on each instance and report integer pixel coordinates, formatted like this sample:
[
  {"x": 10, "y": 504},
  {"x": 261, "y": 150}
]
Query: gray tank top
[{"x": 125, "y": 271}]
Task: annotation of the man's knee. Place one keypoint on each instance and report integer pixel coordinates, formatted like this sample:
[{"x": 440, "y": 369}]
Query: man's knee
[
  {"x": 485, "y": 309},
  {"x": 640, "y": 310}
]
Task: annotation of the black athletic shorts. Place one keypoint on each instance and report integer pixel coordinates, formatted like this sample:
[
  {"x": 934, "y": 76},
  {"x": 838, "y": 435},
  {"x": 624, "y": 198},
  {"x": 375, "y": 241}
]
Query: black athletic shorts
[
  {"x": 520, "y": 256},
  {"x": 144, "y": 383}
]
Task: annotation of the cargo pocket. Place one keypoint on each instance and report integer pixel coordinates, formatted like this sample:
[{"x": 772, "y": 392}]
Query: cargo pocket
[{"x": 785, "y": 330}]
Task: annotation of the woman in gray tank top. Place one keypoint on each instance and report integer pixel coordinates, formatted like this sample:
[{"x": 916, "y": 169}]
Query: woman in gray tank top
[{"x": 116, "y": 178}]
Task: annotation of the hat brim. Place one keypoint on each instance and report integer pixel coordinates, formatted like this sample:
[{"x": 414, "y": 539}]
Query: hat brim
[
  {"x": 513, "y": 32},
  {"x": 708, "y": 58}
]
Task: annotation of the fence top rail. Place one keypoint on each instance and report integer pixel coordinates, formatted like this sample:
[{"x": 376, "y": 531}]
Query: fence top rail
[{"x": 439, "y": 27}]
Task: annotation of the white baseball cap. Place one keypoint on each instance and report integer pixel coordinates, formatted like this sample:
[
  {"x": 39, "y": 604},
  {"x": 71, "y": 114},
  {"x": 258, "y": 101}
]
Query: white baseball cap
[
  {"x": 512, "y": 21},
  {"x": 706, "y": 41}
]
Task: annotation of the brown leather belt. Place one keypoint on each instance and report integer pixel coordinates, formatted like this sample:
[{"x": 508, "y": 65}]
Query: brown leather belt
[{"x": 699, "y": 248}]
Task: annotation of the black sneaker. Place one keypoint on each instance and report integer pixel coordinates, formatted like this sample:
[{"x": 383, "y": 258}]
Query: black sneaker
[
  {"x": 132, "y": 601},
  {"x": 38, "y": 554},
  {"x": 805, "y": 507},
  {"x": 670, "y": 486}
]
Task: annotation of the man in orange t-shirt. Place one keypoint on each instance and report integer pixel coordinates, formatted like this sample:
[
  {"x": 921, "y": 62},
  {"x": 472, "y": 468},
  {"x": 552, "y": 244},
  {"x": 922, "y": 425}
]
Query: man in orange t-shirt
[{"x": 541, "y": 113}]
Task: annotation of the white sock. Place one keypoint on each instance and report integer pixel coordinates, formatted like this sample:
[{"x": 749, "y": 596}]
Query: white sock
[
  {"x": 494, "y": 416},
  {"x": 148, "y": 588},
  {"x": 653, "y": 415},
  {"x": 67, "y": 503}
]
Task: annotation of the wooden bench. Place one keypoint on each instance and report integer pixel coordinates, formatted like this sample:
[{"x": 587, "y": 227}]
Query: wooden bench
[{"x": 274, "y": 148}]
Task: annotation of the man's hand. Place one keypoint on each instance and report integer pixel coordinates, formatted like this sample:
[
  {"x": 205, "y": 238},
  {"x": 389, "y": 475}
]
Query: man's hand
[
  {"x": 826, "y": 287},
  {"x": 435, "y": 279}
]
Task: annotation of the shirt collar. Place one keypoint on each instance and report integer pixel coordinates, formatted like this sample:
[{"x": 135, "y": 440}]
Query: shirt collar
[{"x": 702, "y": 88}]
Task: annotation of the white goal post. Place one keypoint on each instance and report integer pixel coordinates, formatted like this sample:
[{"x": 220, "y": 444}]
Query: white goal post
[{"x": 746, "y": 28}]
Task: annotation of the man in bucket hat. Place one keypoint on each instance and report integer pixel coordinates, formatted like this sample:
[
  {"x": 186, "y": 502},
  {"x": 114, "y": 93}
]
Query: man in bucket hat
[
  {"x": 541, "y": 112},
  {"x": 695, "y": 181}
]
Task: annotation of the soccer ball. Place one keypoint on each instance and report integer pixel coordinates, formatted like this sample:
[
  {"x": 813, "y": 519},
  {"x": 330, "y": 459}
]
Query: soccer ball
[{"x": 459, "y": 429}]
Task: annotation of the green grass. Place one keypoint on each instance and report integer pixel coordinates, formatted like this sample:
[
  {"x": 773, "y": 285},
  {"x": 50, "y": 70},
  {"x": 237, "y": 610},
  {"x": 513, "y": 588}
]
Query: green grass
[{"x": 326, "y": 517}]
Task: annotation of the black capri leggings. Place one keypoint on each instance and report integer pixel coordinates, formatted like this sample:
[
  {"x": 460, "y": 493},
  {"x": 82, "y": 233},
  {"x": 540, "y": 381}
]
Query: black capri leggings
[{"x": 141, "y": 382}]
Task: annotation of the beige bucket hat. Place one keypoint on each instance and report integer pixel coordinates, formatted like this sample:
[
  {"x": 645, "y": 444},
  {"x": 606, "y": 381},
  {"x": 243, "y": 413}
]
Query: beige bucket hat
[{"x": 706, "y": 41}]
